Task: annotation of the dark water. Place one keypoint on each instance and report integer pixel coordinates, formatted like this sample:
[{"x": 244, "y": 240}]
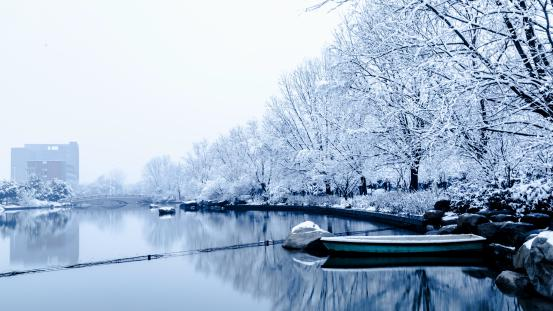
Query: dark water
[{"x": 257, "y": 278}]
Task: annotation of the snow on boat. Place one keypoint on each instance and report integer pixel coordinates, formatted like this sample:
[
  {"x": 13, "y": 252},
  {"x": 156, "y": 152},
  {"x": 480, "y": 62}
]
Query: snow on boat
[
  {"x": 404, "y": 244},
  {"x": 166, "y": 211}
]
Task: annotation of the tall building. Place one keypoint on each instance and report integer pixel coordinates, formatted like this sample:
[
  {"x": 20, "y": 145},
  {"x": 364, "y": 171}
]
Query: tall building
[{"x": 47, "y": 162}]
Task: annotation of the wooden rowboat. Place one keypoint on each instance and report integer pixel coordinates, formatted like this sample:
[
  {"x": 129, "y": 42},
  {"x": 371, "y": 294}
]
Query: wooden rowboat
[{"x": 404, "y": 244}]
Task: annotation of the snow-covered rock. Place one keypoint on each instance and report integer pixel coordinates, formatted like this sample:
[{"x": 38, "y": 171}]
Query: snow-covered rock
[
  {"x": 306, "y": 236},
  {"x": 450, "y": 219},
  {"x": 538, "y": 262},
  {"x": 522, "y": 255},
  {"x": 306, "y": 225}
]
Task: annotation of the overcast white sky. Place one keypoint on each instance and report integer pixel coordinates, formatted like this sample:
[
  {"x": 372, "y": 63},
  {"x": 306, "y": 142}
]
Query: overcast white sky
[{"x": 131, "y": 79}]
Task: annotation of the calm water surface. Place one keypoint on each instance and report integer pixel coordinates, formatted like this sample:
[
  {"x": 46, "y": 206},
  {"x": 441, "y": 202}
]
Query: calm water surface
[{"x": 258, "y": 278}]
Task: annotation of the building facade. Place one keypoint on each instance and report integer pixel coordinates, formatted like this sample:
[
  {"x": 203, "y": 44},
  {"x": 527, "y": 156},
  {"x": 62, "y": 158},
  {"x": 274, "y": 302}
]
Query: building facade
[{"x": 60, "y": 161}]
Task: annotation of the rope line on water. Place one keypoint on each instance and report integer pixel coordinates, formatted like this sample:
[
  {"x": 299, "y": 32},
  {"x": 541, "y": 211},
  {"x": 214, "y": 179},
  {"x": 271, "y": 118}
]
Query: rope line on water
[{"x": 165, "y": 255}]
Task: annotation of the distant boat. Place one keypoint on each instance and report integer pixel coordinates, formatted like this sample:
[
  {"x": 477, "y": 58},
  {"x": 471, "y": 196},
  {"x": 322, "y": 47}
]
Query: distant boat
[
  {"x": 404, "y": 244},
  {"x": 167, "y": 210},
  {"x": 154, "y": 205}
]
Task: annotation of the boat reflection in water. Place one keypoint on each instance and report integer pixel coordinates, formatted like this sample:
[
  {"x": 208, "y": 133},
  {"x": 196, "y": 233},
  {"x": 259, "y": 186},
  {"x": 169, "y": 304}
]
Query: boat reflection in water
[{"x": 336, "y": 262}]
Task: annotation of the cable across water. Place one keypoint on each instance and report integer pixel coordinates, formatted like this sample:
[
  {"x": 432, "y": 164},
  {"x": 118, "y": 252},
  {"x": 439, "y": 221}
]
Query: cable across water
[{"x": 166, "y": 255}]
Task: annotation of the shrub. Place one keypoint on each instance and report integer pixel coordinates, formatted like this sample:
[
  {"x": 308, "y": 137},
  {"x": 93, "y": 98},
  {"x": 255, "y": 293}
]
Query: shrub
[{"x": 396, "y": 202}]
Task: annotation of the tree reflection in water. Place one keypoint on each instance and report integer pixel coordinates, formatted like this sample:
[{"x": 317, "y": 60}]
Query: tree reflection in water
[
  {"x": 291, "y": 281},
  {"x": 271, "y": 272},
  {"x": 295, "y": 281}
]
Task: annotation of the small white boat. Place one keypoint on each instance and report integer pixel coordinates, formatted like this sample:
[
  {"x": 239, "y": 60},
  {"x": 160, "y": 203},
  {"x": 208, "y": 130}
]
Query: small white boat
[
  {"x": 154, "y": 206},
  {"x": 404, "y": 244}
]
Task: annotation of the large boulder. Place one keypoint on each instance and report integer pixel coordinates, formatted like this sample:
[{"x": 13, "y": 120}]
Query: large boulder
[
  {"x": 522, "y": 256},
  {"x": 489, "y": 230},
  {"x": 443, "y": 205},
  {"x": 536, "y": 257},
  {"x": 513, "y": 283},
  {"x": 467, "y": 223},
  {"x": 433, "y": 216},
  {"x": 508, "y": 233},
  {"x": 306, "y": 236},
  {"x": 539, "y": 265},
  {"x": 515, "y": 233},
  {"x": 537, "y": 219}
]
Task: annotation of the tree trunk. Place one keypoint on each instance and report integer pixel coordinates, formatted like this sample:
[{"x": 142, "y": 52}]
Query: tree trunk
[
  {"x": 414, "y": 182},
  {"x": 363, "y": 187}
]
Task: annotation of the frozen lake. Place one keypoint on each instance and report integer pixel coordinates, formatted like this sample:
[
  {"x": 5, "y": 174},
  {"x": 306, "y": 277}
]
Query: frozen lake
[{"x": 256, "y": 278}]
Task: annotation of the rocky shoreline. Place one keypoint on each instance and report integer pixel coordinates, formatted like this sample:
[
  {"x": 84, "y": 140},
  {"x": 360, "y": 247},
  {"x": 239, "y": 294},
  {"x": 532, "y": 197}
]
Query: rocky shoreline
[{"x": 520, "y": 247}]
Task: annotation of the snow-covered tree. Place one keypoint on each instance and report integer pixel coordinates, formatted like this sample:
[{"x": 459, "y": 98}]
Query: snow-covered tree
[
  {"x": 9, "y": 191},
  {"x": 317, "y": 132},
  {"x": 164, "y": 177}
]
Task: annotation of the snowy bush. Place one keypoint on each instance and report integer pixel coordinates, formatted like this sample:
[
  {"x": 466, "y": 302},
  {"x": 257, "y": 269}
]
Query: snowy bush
[
  {"x": 523, "y": 196},
  {"x": 307, "y": 200},
  {"x": 396, "y": 202},
  {"x": 215, "y": 190},
  {"x": 278, "y": 195},
  {"x": 58, "y": 190},
  {"x": 533, "y": 195}
]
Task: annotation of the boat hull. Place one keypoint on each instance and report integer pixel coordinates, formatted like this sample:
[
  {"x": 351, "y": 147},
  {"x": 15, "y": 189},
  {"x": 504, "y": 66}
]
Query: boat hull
[{"x": 402, "y": 248}]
